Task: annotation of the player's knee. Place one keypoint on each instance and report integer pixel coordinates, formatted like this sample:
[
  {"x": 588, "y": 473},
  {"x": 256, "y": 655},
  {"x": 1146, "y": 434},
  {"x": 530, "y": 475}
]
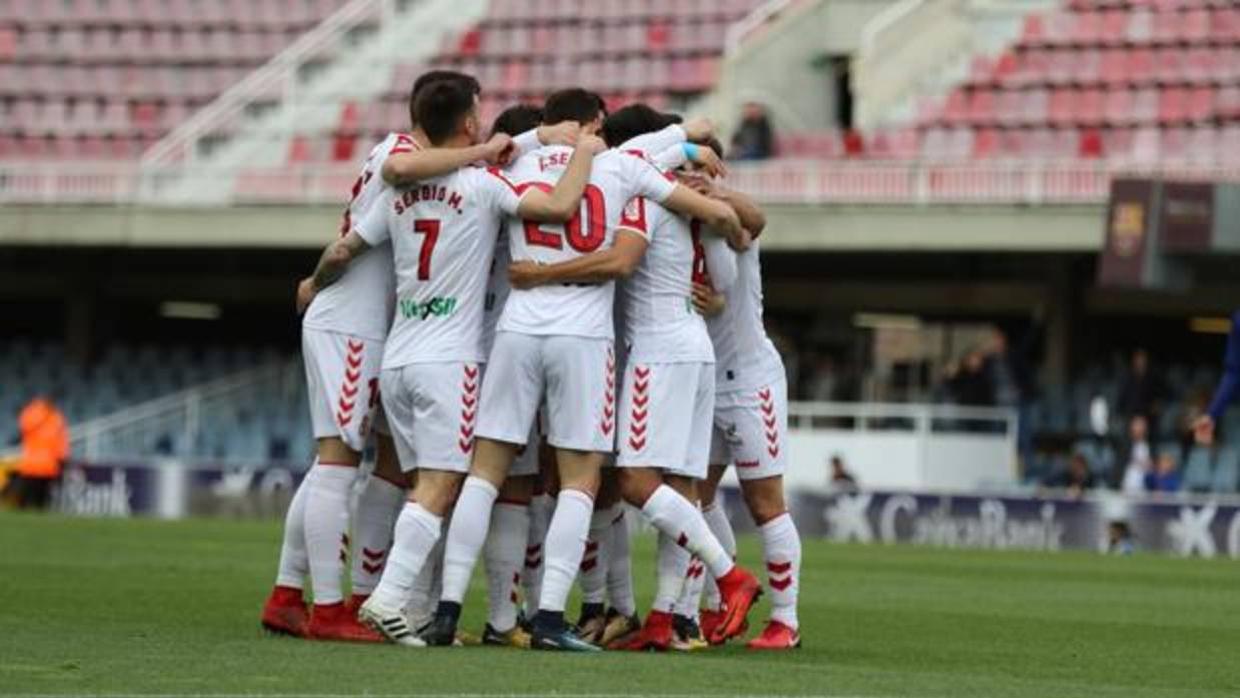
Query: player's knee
[
  {"x": 685, "y": 486},
  {"x": 608, "y": 489},
  {"x": 518, "y": 489},
  {"x": 333, "y": 449},
  {"x": 438, "y": 493},
  {"x": 764, "y": 498},
  {"x": 707, "y": 491},
  {"x": 637, "y": 484},
  {"x": 492, "y": 460}
]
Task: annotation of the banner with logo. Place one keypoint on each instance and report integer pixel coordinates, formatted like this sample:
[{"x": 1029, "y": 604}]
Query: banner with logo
[{"x": 1207, "y": 527}]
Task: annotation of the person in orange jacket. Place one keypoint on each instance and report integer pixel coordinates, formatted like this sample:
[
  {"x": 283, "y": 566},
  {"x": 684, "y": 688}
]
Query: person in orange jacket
[{"x": 45, "y": 446}]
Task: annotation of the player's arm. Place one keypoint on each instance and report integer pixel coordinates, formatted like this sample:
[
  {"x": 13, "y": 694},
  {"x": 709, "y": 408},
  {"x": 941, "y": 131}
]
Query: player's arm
[
  {"x": 403, "y": 169},
  {"x": 675, "y": 157},
  {"x": 617, "y": 261},
  {"x": 564, "y": 200},
  {"x": 715, "y": 214},
  {"x": 333, "y": 263},
  {"x": 747, "y": 210}
]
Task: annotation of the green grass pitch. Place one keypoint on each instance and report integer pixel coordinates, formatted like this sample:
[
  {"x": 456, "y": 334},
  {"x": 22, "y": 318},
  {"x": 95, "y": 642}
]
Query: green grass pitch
[{"x": 145, "y": 607}]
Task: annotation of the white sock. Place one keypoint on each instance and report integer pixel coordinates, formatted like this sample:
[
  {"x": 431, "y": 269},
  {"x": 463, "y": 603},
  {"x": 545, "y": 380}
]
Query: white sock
[
  {"x": 691, "y": 593},
  {"x": 781, "y": 546},
  {"x": 327, "y": 526},
  {"x": 676, "y": 516},
  {"x": 294, "y": 564},
  {"x": 503, "y": 554},
  {"x": 566, "y": 542},
  {"x": 466, "y": 536},
  {"x": 717, "y": 518},
  {"x": 425, "y": 594},
  {"x": 594, "y": 561},
  {"x": 417, "y": 531},
  {"x": 620, "y": 565},
  {"x": 541, "y": 508},
  {"x": 377, "y": 508},
  {"x": 672, "y": 564}
]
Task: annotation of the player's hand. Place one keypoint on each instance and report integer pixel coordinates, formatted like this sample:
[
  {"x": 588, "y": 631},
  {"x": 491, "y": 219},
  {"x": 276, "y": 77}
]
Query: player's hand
[
  {"x": 738, "y": 238},
  {"x": 498, "y": 150},
  {"x": 698, "y": 183},
  {"x": 709, "y": 161},
  {"x": 563, "y": 133},
  {"x": 698, "y": 129},
  {"x": 524, "y": 274},
  {"x": 591, "y": 144},
  {"x": 1203, "y": 430},
  {"x": 707, "y": 301},
  {"x": 305, "y": 294}
]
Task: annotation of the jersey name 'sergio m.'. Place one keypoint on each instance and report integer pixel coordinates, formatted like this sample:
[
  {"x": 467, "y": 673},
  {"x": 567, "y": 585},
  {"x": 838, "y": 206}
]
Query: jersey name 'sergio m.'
[
  {"x": 583, "y": 310},
  {"x": 745, "y": 357},
  {"x": 360, "y": 302},
  {"x": 661, "y": 323},
  {"x": 443, "y": 233}
]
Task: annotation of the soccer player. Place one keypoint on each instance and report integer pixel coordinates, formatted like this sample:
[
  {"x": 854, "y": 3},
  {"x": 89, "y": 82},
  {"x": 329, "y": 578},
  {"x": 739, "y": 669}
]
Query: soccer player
[
  {"x": 668, "y": 389},
  {"x": 555, "y": 341},
  {"x": 1228, "y": 386},
  {"x": 751, "y": 419},
  {"x": 443, "y": 233},
  {"x": 342, "y": 341},
  {"x": 512, "y": 518}
]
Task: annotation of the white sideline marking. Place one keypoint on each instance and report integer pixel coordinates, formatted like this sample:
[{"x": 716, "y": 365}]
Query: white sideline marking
[{"x": 439, "y": 695}]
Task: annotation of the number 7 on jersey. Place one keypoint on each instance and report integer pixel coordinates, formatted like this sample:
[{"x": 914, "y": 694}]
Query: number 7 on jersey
[{"x": 430, "y": 228}]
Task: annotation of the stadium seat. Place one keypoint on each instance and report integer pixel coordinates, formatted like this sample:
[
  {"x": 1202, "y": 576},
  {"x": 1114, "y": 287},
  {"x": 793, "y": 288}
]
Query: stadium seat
[
  {"x": 1199, "y": 470},
  {"x": 1227, "y": 472}
]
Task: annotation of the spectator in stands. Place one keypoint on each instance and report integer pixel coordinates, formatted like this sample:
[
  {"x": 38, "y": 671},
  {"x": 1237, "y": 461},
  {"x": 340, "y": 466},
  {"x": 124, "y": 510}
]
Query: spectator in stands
[
  {"x": 840, "y": 479},
  {"x": 1076, "y": 479},
  {"x": 1137, "y": 458},
  {"x": 45, "y": 446},
  {"x": 1143, "y": 390},
  {"x": 968, "y": 382},
  {"x": 754, "y": 139},
  {"x": 1166, "y": 475},
  {"x": 1227, "y": 390}
]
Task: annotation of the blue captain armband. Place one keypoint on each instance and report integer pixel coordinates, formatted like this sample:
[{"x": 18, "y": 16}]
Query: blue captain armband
[{"x": 691, "y": 151}]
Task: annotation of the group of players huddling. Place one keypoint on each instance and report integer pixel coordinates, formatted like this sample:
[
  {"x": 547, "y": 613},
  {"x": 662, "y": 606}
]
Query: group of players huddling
[{"x": 467, "y": 316}]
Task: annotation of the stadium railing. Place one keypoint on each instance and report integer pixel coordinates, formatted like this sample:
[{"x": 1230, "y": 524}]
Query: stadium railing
[
  {"x": 785, "y": 181},
  {"x": 276, "y": 81},
  {"x": 182, "y": 416}
]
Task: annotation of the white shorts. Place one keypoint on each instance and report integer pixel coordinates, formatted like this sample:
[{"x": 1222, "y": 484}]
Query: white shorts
[
  {"x": 665, "y": 417},
  {"x": 576, "y": 375},
  {"x": 750, "y": 429},
  {"x": 431, "y": 410},
  {"x": 342, "y": 384},
  {"x": 527, "y": 454}
]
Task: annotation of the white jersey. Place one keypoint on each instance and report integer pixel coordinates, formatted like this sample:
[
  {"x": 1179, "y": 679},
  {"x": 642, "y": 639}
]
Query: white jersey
[
  {"x": 443, "y": 233},
  {"x": 360, "y": 302},
  {"x": 662, "y": 325},
  {"x": 497, "y": 290},
  {"x": 583, "y": 310},
  {"x": 745, "y": 358}
]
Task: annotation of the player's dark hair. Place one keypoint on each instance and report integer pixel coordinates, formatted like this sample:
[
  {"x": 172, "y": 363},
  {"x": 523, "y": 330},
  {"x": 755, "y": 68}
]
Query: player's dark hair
[
  {"x": 517, "y": 119},
  {"x": 634, "y": 120},
  {"x": 440, "y": 108},
  {"x": 574, "y": 104},
  {"x": 714, "y": 144},
  {"x": 430, "y": 76}
]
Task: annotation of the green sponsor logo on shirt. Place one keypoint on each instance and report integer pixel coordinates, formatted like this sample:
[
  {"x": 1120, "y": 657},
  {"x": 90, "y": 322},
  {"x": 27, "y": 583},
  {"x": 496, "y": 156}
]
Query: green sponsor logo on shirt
[{"x": 435, "y": 307}]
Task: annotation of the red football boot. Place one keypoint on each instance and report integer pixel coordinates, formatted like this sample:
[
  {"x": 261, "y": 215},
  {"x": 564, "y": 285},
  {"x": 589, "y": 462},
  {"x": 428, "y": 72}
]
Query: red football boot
[
  {"x": 709, "y": 620},
  {"x": 337, "y": 622},
  {"x": 356, "y": 601},
  {"x": 285, "y": 612},
  {"x": 776, "y": 636},
  {"x": 656, "y": 633},
  {"x": 739, "y": 590}
]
